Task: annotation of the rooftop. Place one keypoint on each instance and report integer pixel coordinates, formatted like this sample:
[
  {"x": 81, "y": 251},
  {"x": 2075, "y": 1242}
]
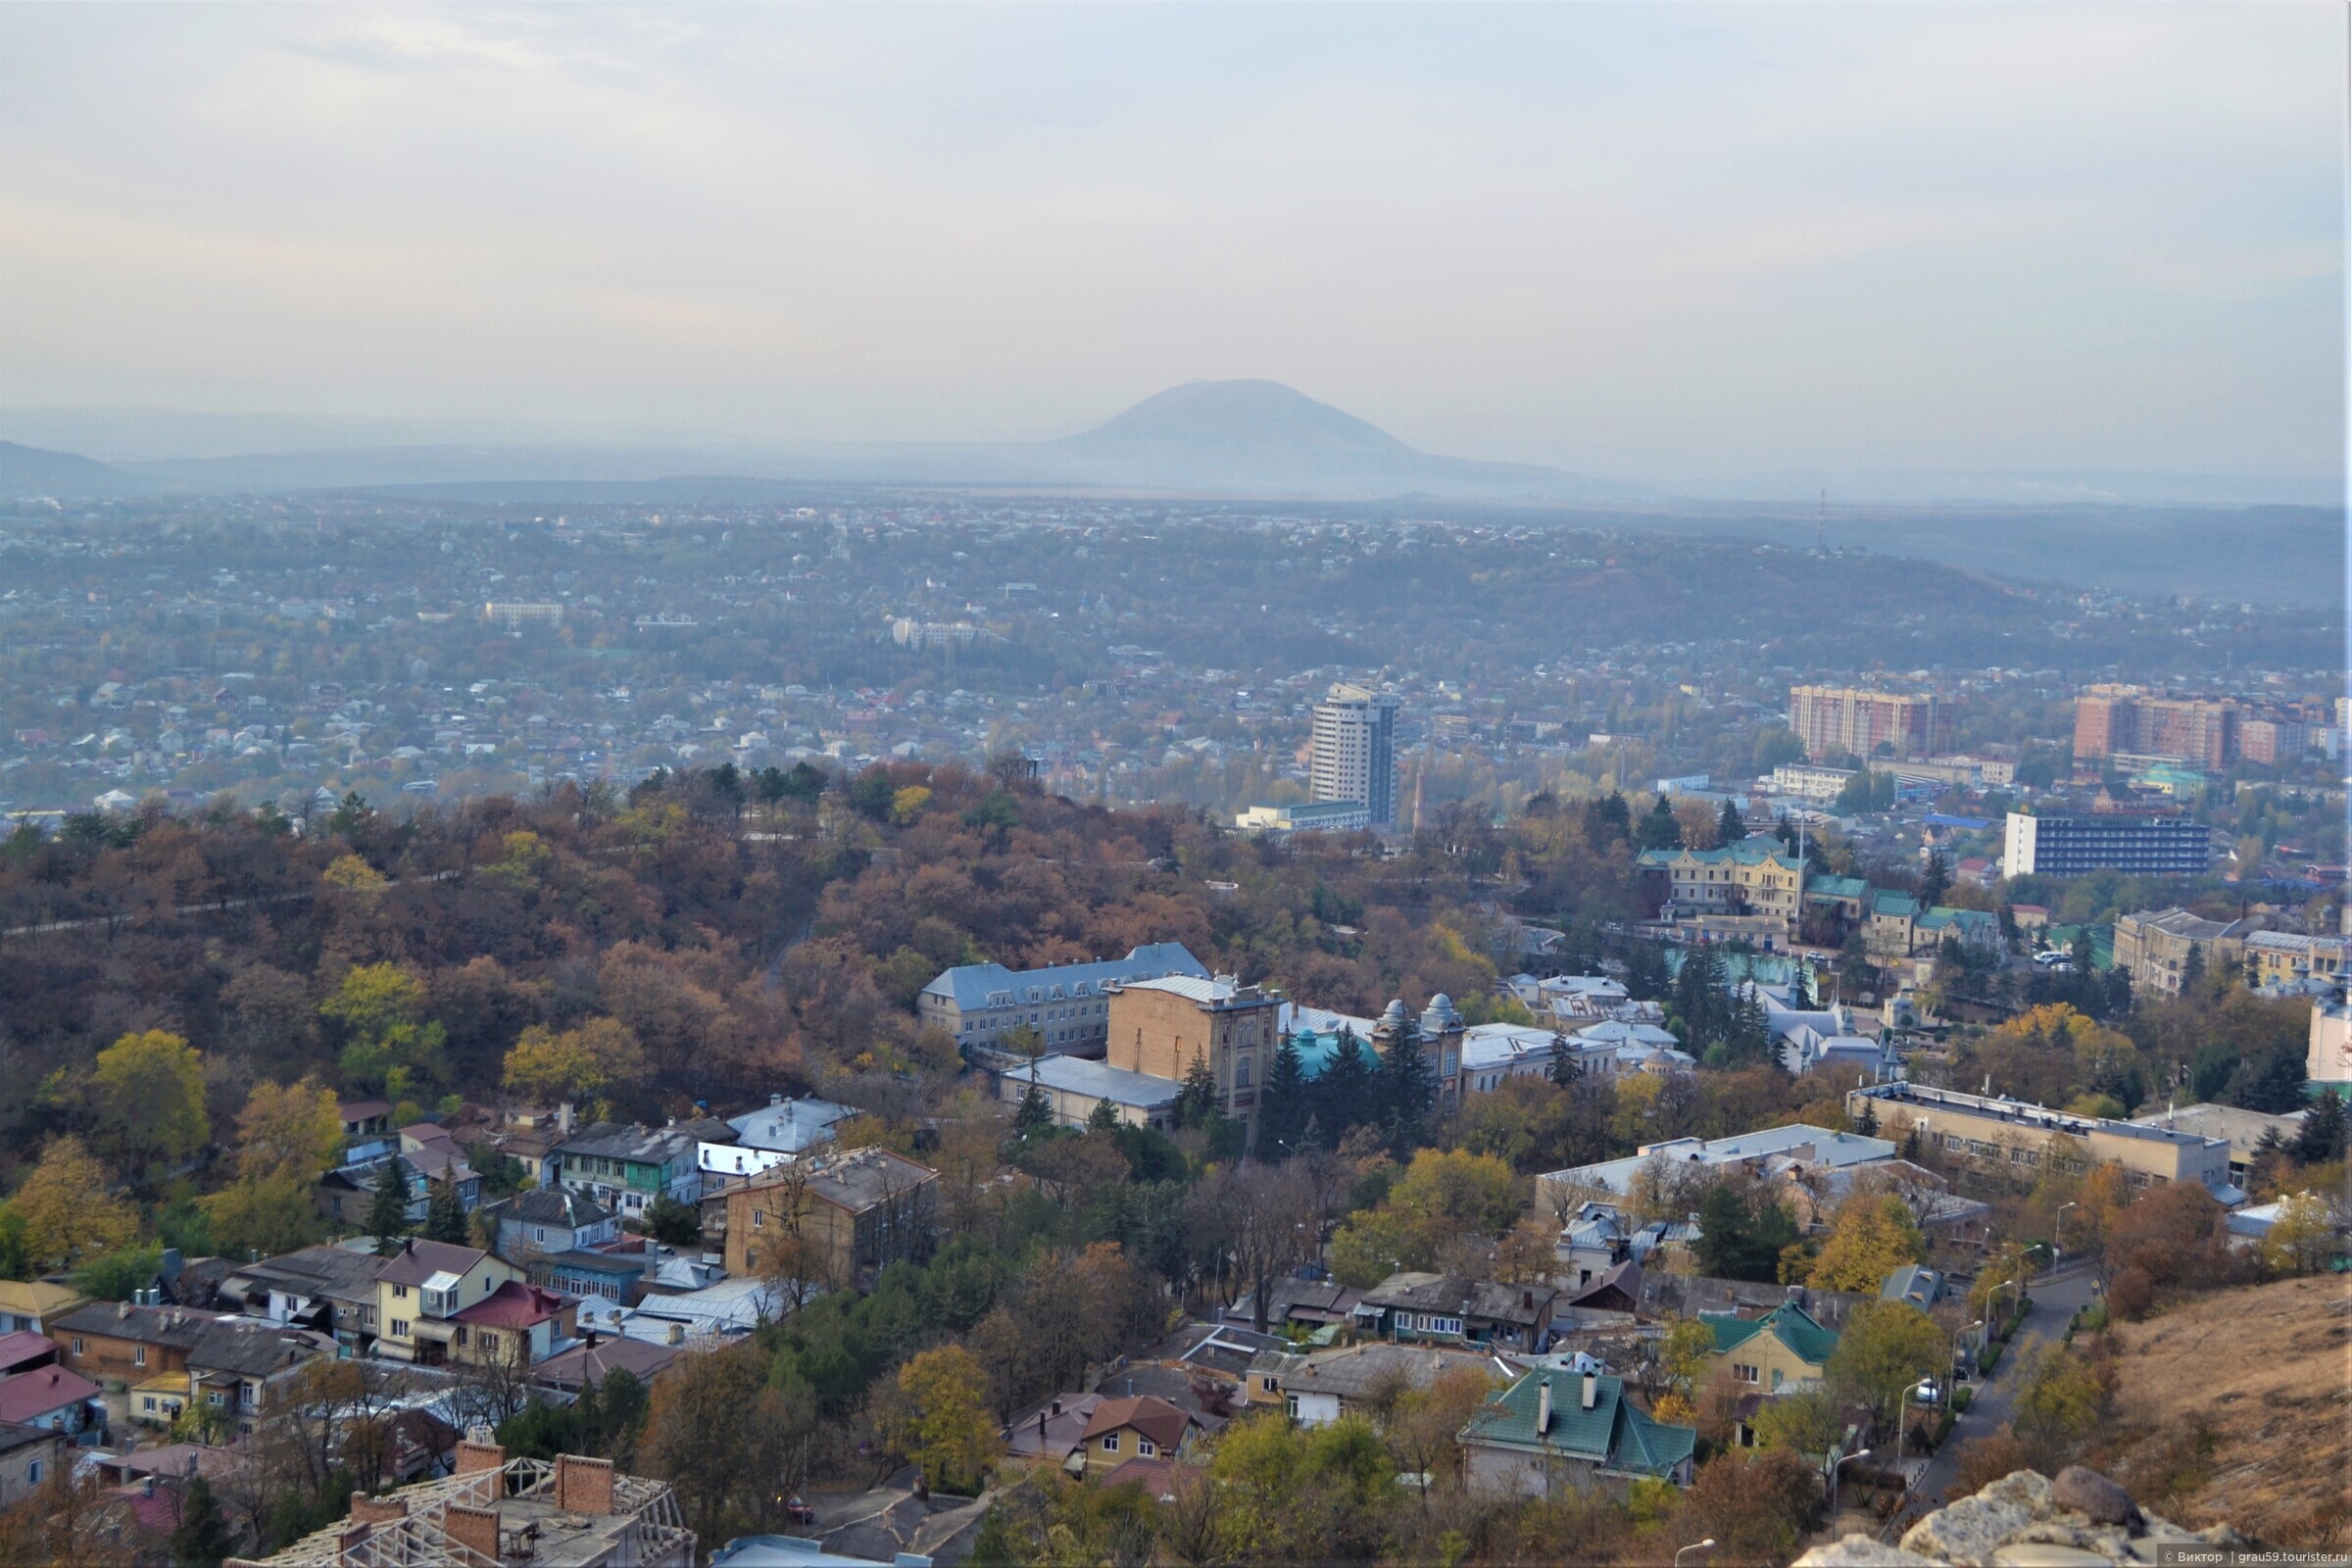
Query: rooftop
[
  {"x": 1075, "y": 1075},
  {"x": 978, "y": 986}
]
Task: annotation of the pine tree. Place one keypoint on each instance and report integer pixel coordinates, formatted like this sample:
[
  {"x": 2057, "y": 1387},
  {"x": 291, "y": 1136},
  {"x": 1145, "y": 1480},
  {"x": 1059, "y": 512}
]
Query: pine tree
[
  {"x": 445, "y": 1212},
  {"x": 1659, "y": 830},
  {"x": 1035, "y": 1115},
  {"x": 1407, "y": 1090},
  {"x": 1282, "y": 1108},
  {"x": 1730, "y": 827},
  {"x": 1867, "y": 1124},
  {"x": 1346, "y": 1098},
  {"x": 201, "y": 1538},
  {"x": 1935, "y": 881},
  {"x": 1563, "y": 1063},
  {"x": 1645, "y": 976},
  {"x": 388, "y": 1207},
  {"x": 1197, "y": 1099},
  {"x": 2321, "y": 1139}
]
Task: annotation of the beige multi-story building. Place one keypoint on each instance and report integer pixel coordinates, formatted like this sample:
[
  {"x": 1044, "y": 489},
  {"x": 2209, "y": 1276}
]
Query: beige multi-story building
[
  {"x": 2289, "y": 958},
  {"x": 2155, "y": 947},
  {"x": 1994, "y": 1134},
  {"x": 1160, "y": 1027},
  {"x": 1757, "y": 877},
  {"x": 1833, "y": 719},
  {"x": 835, "y": 1220}
]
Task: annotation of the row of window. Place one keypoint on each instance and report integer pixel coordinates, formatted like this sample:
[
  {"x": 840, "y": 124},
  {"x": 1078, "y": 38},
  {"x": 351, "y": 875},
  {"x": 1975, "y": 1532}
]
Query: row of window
[{"x": 1143, "y": 1446}]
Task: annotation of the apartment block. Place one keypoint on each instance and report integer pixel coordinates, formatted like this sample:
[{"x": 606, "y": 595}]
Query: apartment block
[
  {"x": 1993, "y": 1133},
  {"x": 2141, "y": 845},
  {"x": 1856, "y": 720},
  {"x": 2129, "y": 720},
  {"x": 1354, "y": 751}
]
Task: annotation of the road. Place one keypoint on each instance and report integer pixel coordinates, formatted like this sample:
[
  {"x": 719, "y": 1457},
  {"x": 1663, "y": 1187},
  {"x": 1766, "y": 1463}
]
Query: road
[{"x": 2054, "y": 1302}]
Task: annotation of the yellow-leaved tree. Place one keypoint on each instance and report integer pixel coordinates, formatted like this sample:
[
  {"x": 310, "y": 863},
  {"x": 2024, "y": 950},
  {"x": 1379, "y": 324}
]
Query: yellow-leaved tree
[
  {"x": 68, "y": 1213},
  {"x": 1873, "y": 1236},
  {"x": 946, "y": 1427},
  {"x": 574, "y": 1064},
  {"x": 151, "y": 1094},
  {"x": 287, "y": 1134}
]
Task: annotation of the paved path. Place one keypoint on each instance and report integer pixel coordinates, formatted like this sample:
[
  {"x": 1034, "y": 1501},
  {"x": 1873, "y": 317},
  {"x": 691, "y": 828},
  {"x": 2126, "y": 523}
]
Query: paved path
[{"x": 2054, "y": 1302}]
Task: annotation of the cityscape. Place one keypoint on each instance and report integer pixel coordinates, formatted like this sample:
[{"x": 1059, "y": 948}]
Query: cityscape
[{"x": 1411, "y": 788}]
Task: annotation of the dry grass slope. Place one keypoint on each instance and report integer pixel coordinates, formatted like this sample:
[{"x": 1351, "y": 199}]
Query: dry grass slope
[{"x": 2237, "y": 1406}]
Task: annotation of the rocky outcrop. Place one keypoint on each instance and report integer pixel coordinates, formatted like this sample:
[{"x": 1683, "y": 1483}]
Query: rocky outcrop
[{"x": 2025, "y": 1520}]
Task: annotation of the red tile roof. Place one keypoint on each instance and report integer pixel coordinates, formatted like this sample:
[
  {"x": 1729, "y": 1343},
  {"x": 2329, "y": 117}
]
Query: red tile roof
[
  {"x": 513, "y": 1305},
  {"x": 34, "y": 1394},
  {"x": 1156, "y": 1418}
]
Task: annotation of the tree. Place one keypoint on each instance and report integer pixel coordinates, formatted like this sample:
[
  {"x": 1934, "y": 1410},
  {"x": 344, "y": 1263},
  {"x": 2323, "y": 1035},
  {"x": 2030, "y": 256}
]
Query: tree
[
  {"x": 1934, "y": 881},
  {"x": 574, "y": 1064},
  {"x": 729, "y": 1437},
  {"x": 1755, "y": 1505},
  {"x": 1806, "y": 1420},
  {"x": 1347, "y": 1086},
  {"x": 388, "y": 1205},
  {"x": 349, "y": 873},
  {"x": 1442, "y": 1197},
  {"x": 202, "y": 1538},
  {"x": 1035, "y": 1116},
  {"x": 119, "y": 1275},
  {"x": 388, "y": 1043},
  {"x": 287, "y": 1136},
  {"x": 2063, "y": 1399},
  {"x": 2321, "y": 1139},
  {"x": 1197, "y": 1097},
  {"x": 67, "y": 1210},
  {"x": 150, "y": 1090},
  {"x": 1282, "y": 1108},
  {"x": 1743, "y": 1231},
  {"x": 1660, "y": 830},
  {"x": 444, "y": 1211},
  {"x": 948, "y": 1429},
  {"x": 1730, "y": 827},
  {"x": 1407, "y": 1089},
  {"x": 2302, "y": 1238},
  {"x": 1873, "y": 1236},
  {"x": 1885, "y": 1347}
]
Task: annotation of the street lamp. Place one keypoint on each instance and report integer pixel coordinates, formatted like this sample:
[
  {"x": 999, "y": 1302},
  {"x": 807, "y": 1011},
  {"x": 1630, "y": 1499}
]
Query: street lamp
[
  {"x": 1858, "y": 1454},
  {"x": 2058, "y": 1241},
  {"x": 1922, "y": 1392},
  {"x": 1708, "y": 1544}
]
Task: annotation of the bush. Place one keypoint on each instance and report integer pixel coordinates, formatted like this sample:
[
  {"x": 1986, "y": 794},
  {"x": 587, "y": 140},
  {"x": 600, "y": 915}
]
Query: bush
[
  {"x": 1963, "y": 1397},
  {"x": 1988, "y": 1359},
  {"x": 2092, "y": 1319},
  {"x": 2132, "y": 1292}
]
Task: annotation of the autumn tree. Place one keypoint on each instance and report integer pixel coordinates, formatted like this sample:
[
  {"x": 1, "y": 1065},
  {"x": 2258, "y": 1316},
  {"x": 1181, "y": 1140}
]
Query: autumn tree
[
  {"x": 1754, "y": 1503},
  {"x": 729, "y": 1439},
  {"x": 2302, "y": 1238},
  {"x": 1883, "y": 1348},
  {"x": 1873, "y": 1236},
  {"x": 65, "y": 1208},
  {"x": 388, "y": 1043},
  {"x": 574, "y": 1064},
  {"x": 947, "y": 1430},
  {"x": 287, "y": 1135},
  {"x": 1443, "y": 1195},
  {"x": 151, "y": 1095}
]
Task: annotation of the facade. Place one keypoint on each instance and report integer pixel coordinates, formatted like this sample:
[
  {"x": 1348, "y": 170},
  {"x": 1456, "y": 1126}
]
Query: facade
[
  {"x": 515, "y": 614},
  {"x": 776, "y": 1134},
  {"x": 2019, "y": 1139},
  {"x": 115, "y": 1340},
  {"x": 29, "y": 1456},
  {"x": 1554, "y": 1430},
  {"x": 1451, "y": 1310},
  {"x": 1355, "y": 751},
  {"x": 568, "y": 1512},
  {"x": 329, "y": 1288},
  {"x": 2329, "y": 1062},
  {"x": 2243, "y": 1130},
  {"x": 2290, "y": 958},
  {"x": 1072, "y": 1087},
  {"x": 2070, "y": 846},
  {"x": 1783, "y": 1350},
  {"x": 421, "y": 1292},
  {"x": 514, "y": 1325},
  {"x": 1810, "y": 781},
  {"x": 2130, "y": 721},
  {"x": 50, "y": 1397},
  {"x": 845, "y": 1216},
  {"x": 982, "y": 1005},
  {"x": 32, "y": 1306},
  {"x": 548, "y": 1221},
  {"x": 1140, "y": 1427},
  {"x": 2157, "y": 949},
  {"x": 1317, "y": 1389},
  {"x": 1759, "y": 875},
  {"x": 1158, "y": 1028},
  {"x": 1831, "y": 719},
  {"x": 1305, "y": 817},
  {"x": 625, "y": 1169}
]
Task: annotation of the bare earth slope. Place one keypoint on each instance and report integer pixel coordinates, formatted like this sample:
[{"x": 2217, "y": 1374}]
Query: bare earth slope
[{"x": 2237, "y": 1406}]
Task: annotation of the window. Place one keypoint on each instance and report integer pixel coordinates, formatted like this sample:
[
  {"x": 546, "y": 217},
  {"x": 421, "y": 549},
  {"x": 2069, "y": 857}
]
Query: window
[
  {"x": 462, "y": 1336},
  {"x": 212, "y": 1397},
  {"x": 1240, "y": 1074},
  {"x": 1290, "y": 1406},
  {"x": 1743, "y": 1374},
  {"x": 1110, "y": 1442},
  {"x": 32, "y": 1473},
  {"x": 539, "y": 1232},
  {"x": 77, "y": 1350},
  {"x": 1267, "y": 1385},
  {"x": 1146, "y": 1447},
  {"x": 399, "y": 1292},
  {"x": 400, "y": 1328},
  {"x": 759, "y": 1219},
  {"x": 1776, "y": 1380},
  {"x": 148, "y": 1403},
  {"x": 138, "y": 1355},
  {"x": 1442, "y": 1325}
]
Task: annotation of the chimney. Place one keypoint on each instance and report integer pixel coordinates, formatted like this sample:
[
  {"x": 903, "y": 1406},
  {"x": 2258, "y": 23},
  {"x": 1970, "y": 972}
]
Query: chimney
[
  {"x": 478, "y": 1453},
  {"x": 473, "y": 1528},
  {"x": 583, "y": 1485},
  {"x": 1592, "y": 1389},
  {"x": 1544, "y": 1407},
  {"x": 367, "y": 1510},
  {"x": 147, "y": 1485},
  {"x": 1057, "y": 1407},
  {"x": 774, "y": 1100}
]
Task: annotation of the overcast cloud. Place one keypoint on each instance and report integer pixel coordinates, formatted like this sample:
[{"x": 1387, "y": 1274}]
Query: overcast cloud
[{"x": 1619, "y": 240}]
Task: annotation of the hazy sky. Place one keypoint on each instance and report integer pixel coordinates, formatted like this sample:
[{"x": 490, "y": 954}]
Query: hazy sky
[{"x": 1621, "y": 240}]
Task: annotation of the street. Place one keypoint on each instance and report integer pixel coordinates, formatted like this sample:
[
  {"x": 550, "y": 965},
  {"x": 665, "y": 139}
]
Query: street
[{"x": 2054, "y": 1302}]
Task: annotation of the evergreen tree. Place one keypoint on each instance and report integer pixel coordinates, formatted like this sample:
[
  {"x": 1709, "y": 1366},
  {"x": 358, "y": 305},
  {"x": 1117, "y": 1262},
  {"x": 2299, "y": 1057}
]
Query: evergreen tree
[
  {"x": 1408, "y": 1090},
  {"x": 445, "y": 1212},
  {"x": 1197, "y": 1099},
  {"x": 2192, "y": 970},
  {"x": 1867, "y": 1124},
  {"x": 1563, "y": 1063},
  {"x": 1659, "y": 830},
  {"x": 1035, "y": 1115},
  {"x": 1282, "y": 1108},
  {"x": 1934, "y": 881},
  {"x": 1730, "y": 827},
  {"x": 201, "y": 1538},
  {"x": 2321, "y": 1139},
  {"x": 2272, "y": 1081},
  {"x": 1348, "y": 1084},
  {"x": 1105, "y": 1117},
  {"x": 1607, "y": 820},
  {"x": 388, "y": 1205},
  {"x": 1646, "y": 977}
]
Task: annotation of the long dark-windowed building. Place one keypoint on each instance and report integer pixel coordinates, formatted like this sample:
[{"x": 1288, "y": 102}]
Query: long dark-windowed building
[
  {"x": 983, "y": 1005},
  {"x": 2138, "y": 846}
]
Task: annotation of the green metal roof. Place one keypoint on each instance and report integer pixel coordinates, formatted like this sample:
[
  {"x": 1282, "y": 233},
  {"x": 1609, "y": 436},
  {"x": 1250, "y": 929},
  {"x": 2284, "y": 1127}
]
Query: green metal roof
[
  {"x": 1789, "y": 1322},
  {"x": 1613, "y": 1434}
]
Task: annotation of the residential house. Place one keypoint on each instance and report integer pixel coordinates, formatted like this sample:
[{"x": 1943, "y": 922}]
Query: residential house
[
  {"x": 776, "y": 1134},
  {"x": 1799, "y": 1142},
  {"x": 54, "y": 1398},
  {"x": 597, "y": 1357},
  {"x": 365, "y": 1118},
  {"x": 1319, "y": 1389},
  {"x": 1783, "y": 1349},
  {"x": 1973, "y": 929},
  {"x": 347, "y": 1194},
  {"x": 626, "y": 1168},
  {"x": 1893, "y": 930},
  {"x": 1053, "y": 1434},
  {"x": 236, "y": 1365},
  {"x": 29, "y": 1456},
  {"x": 421, "y": 1292},
  {"x": 329, "y": 1288},
  {"x": 1453, "y": 1309},
  {"x": 547, "y": 1221},
  {"x": 1527, "y": 1440},
  {"x": 608, "y": 1275},
  {"x": 1311, "y": 1303},
  {"x": 24, "y": 1351},
  {"x": 836, "y": 1219},
  {"x": 33, "y": 1305},
  {"x": 1757, "y": 877},
  {"x": 1143, "y": 1426},
  {"x": 1617, "y": 1289},
  {"x": 119, "y": 1342},
  {"x": 1917, "y": 1284},
  {"x": 515, "y": 1324}
]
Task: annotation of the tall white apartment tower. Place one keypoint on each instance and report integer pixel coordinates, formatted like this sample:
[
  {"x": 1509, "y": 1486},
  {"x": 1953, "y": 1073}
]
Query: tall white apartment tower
[{"x": 1356, "y": 751}]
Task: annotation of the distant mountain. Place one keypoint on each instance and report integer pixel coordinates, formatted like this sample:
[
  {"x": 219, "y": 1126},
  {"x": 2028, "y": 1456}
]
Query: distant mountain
[{"x": 27, "y": 471}]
